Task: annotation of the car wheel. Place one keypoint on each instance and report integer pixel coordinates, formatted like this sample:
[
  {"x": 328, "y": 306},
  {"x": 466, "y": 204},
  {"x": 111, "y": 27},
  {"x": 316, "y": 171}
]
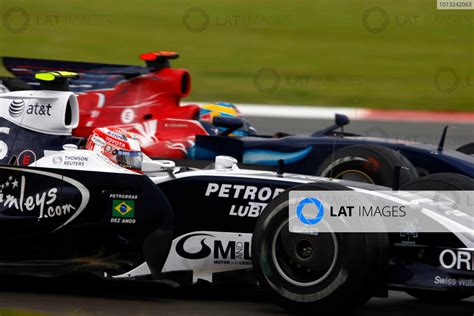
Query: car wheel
[
  {"x": 310, "y": 273},
  {"x": 439, "y": 182},
  {"x": 467, "y": 149},
  {"x": 367, "y": 163}
]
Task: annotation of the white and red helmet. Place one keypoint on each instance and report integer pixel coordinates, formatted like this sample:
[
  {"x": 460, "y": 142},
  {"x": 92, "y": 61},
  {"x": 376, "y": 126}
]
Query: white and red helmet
[{"x": 117, "y": 144}]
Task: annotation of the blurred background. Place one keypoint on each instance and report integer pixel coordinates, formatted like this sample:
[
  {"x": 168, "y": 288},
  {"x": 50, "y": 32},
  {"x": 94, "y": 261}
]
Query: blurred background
[{"x": 379, "y": 54}]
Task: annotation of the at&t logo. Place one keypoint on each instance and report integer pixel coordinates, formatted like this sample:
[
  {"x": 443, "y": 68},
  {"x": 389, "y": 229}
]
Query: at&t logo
[{"x": 16, "y": 108}]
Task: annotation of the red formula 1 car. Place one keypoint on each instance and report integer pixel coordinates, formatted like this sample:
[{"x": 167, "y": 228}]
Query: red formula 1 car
[{"x": 142, "y": 99}]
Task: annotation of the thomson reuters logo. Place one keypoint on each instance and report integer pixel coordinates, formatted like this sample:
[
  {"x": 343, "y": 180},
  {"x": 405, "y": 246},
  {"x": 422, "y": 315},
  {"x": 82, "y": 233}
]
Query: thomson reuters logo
[{"x": 16, "y": 108}]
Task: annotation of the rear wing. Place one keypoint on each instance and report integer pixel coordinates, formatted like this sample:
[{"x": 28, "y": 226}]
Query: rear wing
[{"x": 93, "y": 76}]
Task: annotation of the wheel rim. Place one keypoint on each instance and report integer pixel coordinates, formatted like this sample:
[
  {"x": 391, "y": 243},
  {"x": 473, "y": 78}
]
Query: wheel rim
[
  {"x": 310, "y": 264},
  {"x": 354, "y": 175}
]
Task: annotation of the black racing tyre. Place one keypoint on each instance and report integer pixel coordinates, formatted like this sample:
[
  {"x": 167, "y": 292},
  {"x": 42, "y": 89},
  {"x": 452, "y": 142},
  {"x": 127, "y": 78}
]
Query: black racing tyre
[
  {"x": 439, "y": 182},
  {"x": 314, "y": 273},
  {"x": 467, "y": 149},
  {"x": 437, "y": 297},
  {"x": 367, "y": 163}
]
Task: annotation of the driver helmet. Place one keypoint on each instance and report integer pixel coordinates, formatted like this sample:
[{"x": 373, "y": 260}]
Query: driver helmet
[
  {"x": 209, "y": 111},
  {"x": 118, "y": 145}
]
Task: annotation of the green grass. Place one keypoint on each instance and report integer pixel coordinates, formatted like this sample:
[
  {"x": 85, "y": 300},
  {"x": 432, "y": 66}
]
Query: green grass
[{"x": 321, "y": 51}]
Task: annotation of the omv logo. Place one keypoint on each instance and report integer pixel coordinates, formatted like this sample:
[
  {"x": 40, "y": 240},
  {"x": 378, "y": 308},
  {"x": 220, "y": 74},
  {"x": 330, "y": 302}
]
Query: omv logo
[
  {"x": 16, "y": 108},
  {"x": 307, "y": 202},
  {"x": 194, "y": 243},
  {"x": 222, "y": 248}
]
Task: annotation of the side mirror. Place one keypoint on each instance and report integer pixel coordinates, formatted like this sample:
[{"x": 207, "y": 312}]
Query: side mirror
[
  {"x": 230, "y": 123},
  {"x": 341, "y": 120},
  {"x": 153, "y": 166}
]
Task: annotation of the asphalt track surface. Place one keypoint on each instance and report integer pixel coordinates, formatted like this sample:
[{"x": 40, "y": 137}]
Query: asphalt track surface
[{"x": 92, "y": 297}]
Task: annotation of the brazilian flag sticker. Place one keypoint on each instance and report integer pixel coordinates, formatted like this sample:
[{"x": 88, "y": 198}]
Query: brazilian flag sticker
[{"x": 123, "y": 208}]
